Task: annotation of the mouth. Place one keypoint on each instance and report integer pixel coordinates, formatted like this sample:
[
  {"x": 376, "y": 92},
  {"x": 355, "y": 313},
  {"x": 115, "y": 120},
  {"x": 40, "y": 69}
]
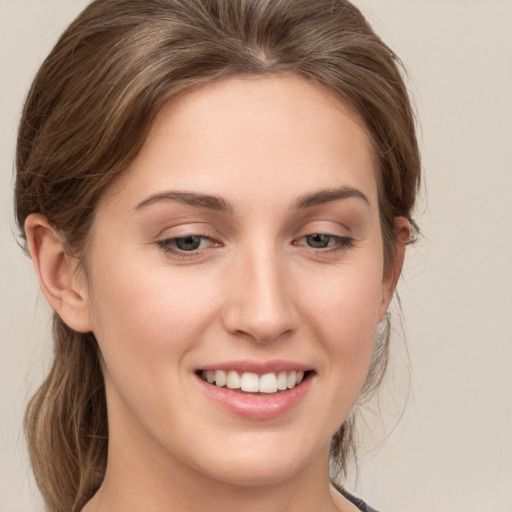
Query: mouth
[
  {"x": 256, "y": 390},
  {"x": 253, "y": 383}
]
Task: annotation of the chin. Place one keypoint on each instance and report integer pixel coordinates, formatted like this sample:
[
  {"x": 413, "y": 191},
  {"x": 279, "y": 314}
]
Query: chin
[
  {"x": 254, "y": 474},
  {"x": 260, "y": 465}
]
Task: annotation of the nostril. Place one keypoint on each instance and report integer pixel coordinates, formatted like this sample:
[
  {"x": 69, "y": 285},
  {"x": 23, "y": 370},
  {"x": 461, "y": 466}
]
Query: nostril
[{"x": 262, "y": 310}]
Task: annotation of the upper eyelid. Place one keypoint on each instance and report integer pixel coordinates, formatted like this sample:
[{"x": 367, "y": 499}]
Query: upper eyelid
[
  {"x": 225, "y": 233},
  {"x": 340, "y": 231},
  {"x": 186, "y": 229}
]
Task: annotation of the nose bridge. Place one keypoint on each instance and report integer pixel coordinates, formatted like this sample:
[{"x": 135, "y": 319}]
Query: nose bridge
[{"x": 260, "y": 303}]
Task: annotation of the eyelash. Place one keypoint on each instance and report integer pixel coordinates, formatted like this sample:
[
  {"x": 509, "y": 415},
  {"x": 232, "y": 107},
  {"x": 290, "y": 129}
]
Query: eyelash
[{"x": 335, "y": 244}]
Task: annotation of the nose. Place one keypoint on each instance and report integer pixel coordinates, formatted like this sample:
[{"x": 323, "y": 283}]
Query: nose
[{"x": 260, "y": 304}]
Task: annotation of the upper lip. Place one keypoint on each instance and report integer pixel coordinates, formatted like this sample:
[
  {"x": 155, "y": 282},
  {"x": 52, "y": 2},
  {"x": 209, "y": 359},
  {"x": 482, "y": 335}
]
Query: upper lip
[{"x": 258, "y": 367}]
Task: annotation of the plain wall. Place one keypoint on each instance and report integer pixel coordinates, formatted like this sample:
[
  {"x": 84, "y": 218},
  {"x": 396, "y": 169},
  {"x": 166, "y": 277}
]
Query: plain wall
[{"x": 452, "y": 449}]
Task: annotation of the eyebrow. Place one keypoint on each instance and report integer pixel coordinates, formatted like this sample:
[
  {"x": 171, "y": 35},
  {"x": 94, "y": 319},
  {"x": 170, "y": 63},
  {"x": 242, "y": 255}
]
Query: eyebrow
[
  {"x": 191, "y": 198},
  {"x": 218, "y": 204},
  {"x": 328, "y": 195}
]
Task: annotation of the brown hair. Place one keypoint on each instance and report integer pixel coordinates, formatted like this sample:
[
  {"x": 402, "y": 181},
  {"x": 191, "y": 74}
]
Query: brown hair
[{"x": 87, "y": 115}]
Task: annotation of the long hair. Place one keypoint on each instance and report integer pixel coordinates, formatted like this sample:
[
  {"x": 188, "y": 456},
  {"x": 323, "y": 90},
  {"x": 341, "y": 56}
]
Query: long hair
[{"x": 87, "y": 115}]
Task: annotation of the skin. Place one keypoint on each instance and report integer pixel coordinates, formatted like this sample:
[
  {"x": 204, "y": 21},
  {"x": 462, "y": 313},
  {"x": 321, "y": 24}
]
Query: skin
[{"x": 254, "y": 289}]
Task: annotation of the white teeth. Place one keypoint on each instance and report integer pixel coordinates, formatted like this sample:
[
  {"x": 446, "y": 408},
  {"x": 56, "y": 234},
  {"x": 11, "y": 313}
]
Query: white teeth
[
  {"x": 220, "y": 378},
  {"x": 268, "y": 383},
  {"x": 252, "y": 383},
  {"x": 292, "y": 379},
  {"x": 233, "y": 380},
  {"x": 282, "y": 381},
  {"x": 249, "y": 382}
]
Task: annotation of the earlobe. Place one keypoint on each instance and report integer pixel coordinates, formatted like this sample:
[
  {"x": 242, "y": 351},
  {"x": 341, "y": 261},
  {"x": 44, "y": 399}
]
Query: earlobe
[{"x": 57, "y": 272}]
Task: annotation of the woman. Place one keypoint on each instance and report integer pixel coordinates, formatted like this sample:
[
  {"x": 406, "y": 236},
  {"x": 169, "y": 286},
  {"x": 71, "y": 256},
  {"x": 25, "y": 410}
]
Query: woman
[{"x": 216, "y": 195}]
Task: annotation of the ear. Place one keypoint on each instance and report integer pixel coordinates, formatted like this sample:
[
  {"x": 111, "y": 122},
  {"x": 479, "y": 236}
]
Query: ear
[
  {"x": 62, "y": 285},
  {"x": 392, "y": 273}
]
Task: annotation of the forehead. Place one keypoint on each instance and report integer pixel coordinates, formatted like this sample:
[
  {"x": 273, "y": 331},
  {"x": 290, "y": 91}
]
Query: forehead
[{"x": 229, "y": 137}]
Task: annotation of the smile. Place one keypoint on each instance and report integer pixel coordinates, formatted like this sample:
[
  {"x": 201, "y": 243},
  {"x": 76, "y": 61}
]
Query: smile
[{"x": 250, "y": 382}]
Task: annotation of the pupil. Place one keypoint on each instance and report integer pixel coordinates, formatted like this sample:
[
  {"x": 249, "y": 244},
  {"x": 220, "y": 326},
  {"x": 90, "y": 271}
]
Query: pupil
[
  {"x": 318, "y": 241},
  {"x": 188, "y": 243}
]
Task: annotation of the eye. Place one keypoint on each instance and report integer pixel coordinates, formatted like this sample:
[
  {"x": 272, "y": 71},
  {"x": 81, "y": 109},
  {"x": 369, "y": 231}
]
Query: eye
[
  {"x": 323, "y": 241},
  {"x": 186, "y": 244},
  {"x": 319, "y": 241},
  {"x": 189, "y": 243}
]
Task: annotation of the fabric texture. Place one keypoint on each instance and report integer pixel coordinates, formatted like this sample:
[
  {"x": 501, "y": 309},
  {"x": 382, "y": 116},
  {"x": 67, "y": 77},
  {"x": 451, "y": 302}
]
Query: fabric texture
[{"x": 359, "y": 503}]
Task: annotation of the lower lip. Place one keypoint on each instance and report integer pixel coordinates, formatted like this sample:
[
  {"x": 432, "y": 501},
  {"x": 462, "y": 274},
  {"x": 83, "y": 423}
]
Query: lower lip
[{"x": 259, "y": 406}]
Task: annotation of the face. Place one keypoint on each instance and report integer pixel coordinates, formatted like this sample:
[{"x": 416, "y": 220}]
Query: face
[{"x": 236, "y": 281}]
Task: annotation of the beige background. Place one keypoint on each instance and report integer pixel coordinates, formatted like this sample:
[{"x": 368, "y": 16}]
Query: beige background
[{"x": 452, "y": 449}]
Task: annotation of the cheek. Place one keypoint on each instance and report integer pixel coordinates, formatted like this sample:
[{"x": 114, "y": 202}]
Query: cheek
[
  {"x": 343, "y": 309},
  {"x": 146, "y": 325},
  {"x": 146, "y": 311},
  {"x": 143, "y": 314}
]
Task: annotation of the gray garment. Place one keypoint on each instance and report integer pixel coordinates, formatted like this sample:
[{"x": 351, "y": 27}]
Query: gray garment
[{"x": 360, "y": 504}]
